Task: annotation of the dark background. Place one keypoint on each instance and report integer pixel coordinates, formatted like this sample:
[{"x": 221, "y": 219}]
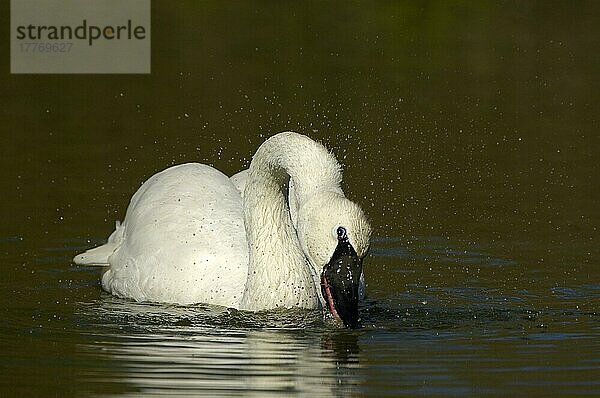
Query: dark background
[{"x": 449, "y": 118}]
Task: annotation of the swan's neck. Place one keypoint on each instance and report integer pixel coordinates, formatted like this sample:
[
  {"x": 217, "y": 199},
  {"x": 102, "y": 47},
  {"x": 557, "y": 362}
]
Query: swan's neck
[{"x": 279, "y": 274}]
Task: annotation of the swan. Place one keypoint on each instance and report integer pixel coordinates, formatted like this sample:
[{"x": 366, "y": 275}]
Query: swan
[{"x": 280, "y": 234}]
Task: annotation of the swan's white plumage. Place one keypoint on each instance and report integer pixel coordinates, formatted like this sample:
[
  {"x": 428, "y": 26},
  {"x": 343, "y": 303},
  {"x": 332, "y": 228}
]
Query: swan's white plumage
[
  {"x": 183, "y": 240},
  {"x": 193, "y": 235},
  {"x": 239, "y": 180}
]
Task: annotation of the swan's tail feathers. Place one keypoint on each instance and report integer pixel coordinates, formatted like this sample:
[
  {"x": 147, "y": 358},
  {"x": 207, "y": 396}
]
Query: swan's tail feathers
[{"x": 98, "y": 256}]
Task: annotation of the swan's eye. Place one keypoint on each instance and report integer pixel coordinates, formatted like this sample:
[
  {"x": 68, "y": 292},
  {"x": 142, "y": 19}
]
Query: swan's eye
[{"x": 341, "y": 233}]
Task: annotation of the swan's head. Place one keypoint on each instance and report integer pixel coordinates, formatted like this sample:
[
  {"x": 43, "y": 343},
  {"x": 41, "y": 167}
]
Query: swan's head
[{"x": 334, "y": 234}]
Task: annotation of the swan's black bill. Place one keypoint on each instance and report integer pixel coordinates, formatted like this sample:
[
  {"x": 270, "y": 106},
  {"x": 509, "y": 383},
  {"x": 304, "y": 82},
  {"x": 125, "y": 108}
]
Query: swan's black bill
[{"x": 339, "y": 283}]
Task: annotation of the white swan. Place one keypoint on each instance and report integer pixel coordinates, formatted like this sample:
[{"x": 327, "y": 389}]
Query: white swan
[{"x": 189, "y": 236}]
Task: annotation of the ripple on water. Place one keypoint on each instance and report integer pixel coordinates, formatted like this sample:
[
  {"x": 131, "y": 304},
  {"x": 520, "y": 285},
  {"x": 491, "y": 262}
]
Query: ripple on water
[{"x": 431, "y": 325}]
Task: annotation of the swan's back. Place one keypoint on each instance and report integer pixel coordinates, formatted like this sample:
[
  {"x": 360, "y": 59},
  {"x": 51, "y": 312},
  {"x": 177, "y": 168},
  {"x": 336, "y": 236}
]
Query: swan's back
[{"x": 183, "y": 240}]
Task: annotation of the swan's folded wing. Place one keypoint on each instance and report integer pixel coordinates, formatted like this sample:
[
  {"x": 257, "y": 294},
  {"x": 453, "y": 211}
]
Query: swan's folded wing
[
  {"x": 239, "y": 181},
  {"x": 183, "y": 242}
]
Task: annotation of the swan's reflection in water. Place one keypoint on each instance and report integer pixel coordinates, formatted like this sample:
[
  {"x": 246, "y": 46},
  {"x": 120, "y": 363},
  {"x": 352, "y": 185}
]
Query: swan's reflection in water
[{"x": 185, "y": 356}]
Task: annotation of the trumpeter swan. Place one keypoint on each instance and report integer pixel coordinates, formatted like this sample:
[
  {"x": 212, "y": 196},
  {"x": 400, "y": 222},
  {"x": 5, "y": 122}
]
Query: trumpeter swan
[{"x": 189, "y": 235}]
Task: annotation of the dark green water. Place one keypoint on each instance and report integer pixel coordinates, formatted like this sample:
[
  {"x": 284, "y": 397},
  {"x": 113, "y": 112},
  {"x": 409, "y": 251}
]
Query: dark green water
[{"x": 468, "y": 132}]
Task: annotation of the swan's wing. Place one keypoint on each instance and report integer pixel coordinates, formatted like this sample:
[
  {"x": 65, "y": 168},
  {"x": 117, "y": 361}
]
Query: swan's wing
[
  {"x": 239, "y": 181},
  {"x": 183, "y": 240}
]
